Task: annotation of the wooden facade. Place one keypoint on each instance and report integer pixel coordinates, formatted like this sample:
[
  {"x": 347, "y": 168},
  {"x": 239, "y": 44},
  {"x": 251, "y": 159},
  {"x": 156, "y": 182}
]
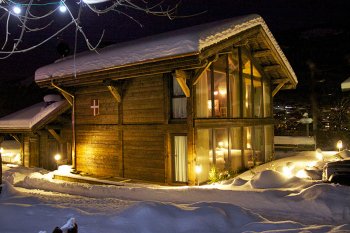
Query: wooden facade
[{"x": 159, "y": 119}]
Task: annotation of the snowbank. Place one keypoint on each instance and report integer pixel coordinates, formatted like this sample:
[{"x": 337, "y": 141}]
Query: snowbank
[{"x": 268, "y": 201}]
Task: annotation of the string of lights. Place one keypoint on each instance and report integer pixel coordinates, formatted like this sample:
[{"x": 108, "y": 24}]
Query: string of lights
[{"x": 18, "y": 18}]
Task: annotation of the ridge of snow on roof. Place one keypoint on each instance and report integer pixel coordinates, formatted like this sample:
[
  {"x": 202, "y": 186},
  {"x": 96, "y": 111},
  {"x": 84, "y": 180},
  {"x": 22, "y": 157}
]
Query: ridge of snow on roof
[
  {"x": 27, "y": 118},
  {"x": 162, "y": 46}
]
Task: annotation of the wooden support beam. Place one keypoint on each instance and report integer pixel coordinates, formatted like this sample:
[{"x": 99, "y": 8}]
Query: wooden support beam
[
  {"x": 111, "y": 85},
  {"x": 200, "y": 71},
  {"x": 279, "y": 87},
  {"x": 261, "y": 53},
  {"x": 115, "y": 93},
  {"x": 16, "y": 138},
  {"x": 271, "y": 67},
  {"x": 181, "y": 77},
  {"x": 56, "y": 136}
]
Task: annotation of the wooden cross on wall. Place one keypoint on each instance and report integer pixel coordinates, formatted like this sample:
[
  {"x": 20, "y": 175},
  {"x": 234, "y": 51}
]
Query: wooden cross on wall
[{"x": 95, "y": 106}]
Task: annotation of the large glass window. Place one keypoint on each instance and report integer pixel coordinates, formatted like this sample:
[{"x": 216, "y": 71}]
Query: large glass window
[
  {"x": 203, "y": 96},
  {"x": 267, "y": 98},
  {"x": 247, "y": 147},
  {"x": 247, "y": 87},
  {"x": 257, "y": 92},
  {"x": 235, "y": 89},
  {"x": 221, "y": 148},
  {"x": 268, "y": 142},
  {"x": 220, "y": 87},
  {"x": 204, "y": 153},
  {"x": 234, "y": 148},
  {"x": 258, "y": 145},
  {"x": 235, "y": 159},
  {"x": 179, "y": 101}
]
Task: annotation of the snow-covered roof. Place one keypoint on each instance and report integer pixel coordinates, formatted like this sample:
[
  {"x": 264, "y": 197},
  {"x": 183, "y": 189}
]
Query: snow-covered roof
[
  {"x": 189, "y": 41},
  {"x": 32, "y": 117}
]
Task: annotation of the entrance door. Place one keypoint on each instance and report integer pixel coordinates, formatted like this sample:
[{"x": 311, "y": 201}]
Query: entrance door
[{"x": 180, "y": 158}]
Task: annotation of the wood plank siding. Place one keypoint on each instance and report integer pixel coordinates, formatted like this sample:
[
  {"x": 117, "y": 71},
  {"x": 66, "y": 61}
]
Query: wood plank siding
[
  {"x": 108, "y": 107},
  {"x": 144, "y": 156},
  {"x": 97, "y": 149},
  {"x": 107, "y": 146},
  {"x": 143, "y": 101}
]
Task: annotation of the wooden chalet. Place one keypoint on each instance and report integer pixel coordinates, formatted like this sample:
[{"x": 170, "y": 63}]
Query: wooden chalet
[
  {"x": 157, "y": 108},
  {"x": 43, "y": 130}
]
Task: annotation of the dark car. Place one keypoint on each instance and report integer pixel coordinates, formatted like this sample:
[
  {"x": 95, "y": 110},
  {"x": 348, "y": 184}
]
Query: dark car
[{"x": 337, "y": 172}]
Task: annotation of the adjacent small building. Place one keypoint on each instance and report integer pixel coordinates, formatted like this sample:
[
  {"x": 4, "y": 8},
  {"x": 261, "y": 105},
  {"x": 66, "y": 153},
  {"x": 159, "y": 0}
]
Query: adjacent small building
[
  {"x": 156, "y": 108},
  {"x": 41, "y": 131}
]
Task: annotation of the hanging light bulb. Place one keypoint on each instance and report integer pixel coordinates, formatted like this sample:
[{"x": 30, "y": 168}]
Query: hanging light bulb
[
  {"x": 62, "y": 8},
  {"x": 16, "y": 9}
]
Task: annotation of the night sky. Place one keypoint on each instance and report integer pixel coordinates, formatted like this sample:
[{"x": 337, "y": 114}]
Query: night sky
[{"x": 308, "y": 31}]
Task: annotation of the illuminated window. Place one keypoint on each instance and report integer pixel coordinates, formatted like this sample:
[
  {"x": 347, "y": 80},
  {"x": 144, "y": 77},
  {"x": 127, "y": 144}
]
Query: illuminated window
[{"x": 179, "y": 101}]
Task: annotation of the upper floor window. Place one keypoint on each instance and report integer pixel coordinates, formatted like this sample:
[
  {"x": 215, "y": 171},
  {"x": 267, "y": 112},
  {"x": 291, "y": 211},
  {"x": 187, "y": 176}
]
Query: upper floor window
[
  {"x": 232, "y": 87},
  {"x": 179, "y": 101}
]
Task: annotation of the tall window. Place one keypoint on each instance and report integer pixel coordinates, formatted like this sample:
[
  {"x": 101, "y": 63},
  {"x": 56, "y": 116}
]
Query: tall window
[
  {"x": 258, "y": 145},
  {"x": 248, "y": 146},
  {"x": 235, "y": 89},
  {"x": 233, "y": 148},
  {"x": 179, "y": 101},
  {"x": 258, "y": 93},
  {"x": 220, "y": 87},
  {"x": 221, "y": 148},
  {"x": 267, "y": 98},
  {"x": 268, "y": 131},
  {"x": 204, "y": 153},
  {"x": 247, "y": 87},
  {"x": 203, "y": 96}
]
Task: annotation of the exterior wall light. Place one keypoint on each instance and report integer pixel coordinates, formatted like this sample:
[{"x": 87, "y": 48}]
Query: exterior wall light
[
  {"x": 198, "y": 170},
  {"x": 57, "y": 158}
]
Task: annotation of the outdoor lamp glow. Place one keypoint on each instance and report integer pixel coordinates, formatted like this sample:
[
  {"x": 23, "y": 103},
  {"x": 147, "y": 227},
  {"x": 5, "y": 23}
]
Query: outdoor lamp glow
[
  {"x": 319, "y": 154},
  {"x": 339, "y": 145},
  {"x": 57, "y": 157},
  {"x": 198, "y": 169}
]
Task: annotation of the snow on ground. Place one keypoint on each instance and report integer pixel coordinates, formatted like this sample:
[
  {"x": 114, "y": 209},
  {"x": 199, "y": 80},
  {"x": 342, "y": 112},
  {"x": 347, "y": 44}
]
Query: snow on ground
[{"x": 260, "y": 200}]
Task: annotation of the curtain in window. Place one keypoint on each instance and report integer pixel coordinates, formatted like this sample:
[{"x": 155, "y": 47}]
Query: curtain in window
[
  {"x": 180, "y": 144},
  {"x": 179, "y": 107},
  {"x": 177, "y": 91}
]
